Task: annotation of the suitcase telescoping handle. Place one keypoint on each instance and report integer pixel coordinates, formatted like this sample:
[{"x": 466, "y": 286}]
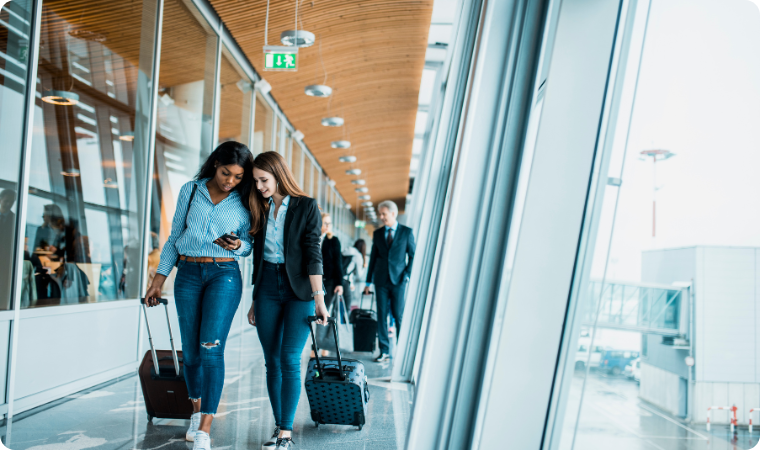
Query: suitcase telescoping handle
[
  {"x": 164, "y": 302},
  {"x": 371, "y": 303},
  {"x": 334, "y": 323}
]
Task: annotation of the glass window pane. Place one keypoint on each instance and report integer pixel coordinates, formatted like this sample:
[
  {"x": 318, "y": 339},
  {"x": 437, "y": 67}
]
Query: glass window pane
[
  {"x": 296, "y": 164},
  {"x": 308, "y": 174},
  {"x": 262, "y": 134},
  {"x": 186, "y": 84},
  {"x": 15, "y": 18},
  {"x": 236, "y": 92},
  {"x": 89, "y": 145},
  {"x": 669, "y": 301}
]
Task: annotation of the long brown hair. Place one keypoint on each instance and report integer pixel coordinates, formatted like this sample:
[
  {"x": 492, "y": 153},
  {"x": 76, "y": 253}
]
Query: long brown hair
[{"x": 272, "y": 163}]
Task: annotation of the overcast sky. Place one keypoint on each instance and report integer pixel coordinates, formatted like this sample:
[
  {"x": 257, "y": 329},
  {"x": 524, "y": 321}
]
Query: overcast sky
[{"x": 699, "y": 97}]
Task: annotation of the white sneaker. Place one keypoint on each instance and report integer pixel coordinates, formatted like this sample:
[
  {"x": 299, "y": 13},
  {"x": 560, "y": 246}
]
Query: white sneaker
[
  {"x": 195, "y": 422},
  {"x": 202, "y": 441},
  {"x": 285, "y": 444},
  {"x": 272, "y": 442}
]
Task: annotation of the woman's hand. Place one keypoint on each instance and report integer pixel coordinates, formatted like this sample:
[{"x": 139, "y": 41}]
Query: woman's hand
[
  {"x": 320, "y": 310},
  {"x": 227, "y": 244},
  {"x": 338, "y": 289},
  {"x": 251, "y": 316},
  {"x": 154, "y": 291}
]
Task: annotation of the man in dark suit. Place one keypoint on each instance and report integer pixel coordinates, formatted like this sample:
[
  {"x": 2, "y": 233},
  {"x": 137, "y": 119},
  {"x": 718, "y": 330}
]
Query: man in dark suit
[{"x": 390, "y": 265}]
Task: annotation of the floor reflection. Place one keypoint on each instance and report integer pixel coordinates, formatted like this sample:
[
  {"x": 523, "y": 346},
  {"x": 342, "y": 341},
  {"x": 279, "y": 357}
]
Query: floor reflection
[{"x": 113, "y": 416}]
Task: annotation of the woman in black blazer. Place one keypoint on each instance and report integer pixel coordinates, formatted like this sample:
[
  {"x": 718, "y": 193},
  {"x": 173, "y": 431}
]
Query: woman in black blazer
[
  {"x": 287, "y": 279},
  {"x": 332, "y": 265}
]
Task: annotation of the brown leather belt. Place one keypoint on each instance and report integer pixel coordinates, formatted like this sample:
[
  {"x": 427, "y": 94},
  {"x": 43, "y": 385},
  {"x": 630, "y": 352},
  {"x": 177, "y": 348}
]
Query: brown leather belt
[{"x": 204, "y": 259}]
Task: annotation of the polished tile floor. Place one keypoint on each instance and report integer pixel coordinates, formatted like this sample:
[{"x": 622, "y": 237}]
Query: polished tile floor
[{"x": 113, "y": 416}]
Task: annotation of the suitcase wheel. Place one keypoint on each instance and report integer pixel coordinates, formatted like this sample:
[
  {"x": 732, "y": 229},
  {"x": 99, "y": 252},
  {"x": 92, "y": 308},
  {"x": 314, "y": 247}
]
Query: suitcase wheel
[
  {"x": 360, "y": 427},
  {"x": 150, "y": 418},
  {"x": 316, "y": 424}
]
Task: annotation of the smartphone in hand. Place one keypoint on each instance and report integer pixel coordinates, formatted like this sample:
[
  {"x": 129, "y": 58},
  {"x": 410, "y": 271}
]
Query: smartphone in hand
[{"x": 229, "y": 237}]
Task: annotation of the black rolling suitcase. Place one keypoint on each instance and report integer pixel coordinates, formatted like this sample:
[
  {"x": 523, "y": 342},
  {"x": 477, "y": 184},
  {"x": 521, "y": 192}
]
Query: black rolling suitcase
[
  {"x": 162, "y": 378},
  {"x": 365, "y": 327},
  {"x": 336, "y": 388}
]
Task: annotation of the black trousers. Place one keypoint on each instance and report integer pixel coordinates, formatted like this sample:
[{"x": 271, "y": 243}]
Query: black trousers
[{"x": 390, "y": 300}]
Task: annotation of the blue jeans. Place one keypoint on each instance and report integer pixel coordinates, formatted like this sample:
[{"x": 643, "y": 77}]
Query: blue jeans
[
  {"x": 281, "y": 321},
  {"x": 207, "y": 296},
  {"x": 390, "y": 299}
]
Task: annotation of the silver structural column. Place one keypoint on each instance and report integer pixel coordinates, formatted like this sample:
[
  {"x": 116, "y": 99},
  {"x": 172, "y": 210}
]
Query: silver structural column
[
  {"x": 149, "y": 144},
  {"x": 544, "y": 241},
  {"x": 475, "y": 223},
  {"x": 23, "y": 202},
  {"x": 431, "y": 189}
]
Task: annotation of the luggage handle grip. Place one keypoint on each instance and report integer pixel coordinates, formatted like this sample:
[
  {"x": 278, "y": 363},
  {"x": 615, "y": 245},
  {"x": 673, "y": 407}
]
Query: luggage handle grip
[
  {"x": 164, "y": 302},
  {"x": 334, "y": 323}
]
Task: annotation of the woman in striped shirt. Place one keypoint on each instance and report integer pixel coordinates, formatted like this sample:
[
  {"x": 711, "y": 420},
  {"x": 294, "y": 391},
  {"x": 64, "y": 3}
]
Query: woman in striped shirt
[{"x": 208, "y": 285}]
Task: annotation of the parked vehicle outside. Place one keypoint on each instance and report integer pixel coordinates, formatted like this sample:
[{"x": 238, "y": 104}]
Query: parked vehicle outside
[
  {"x": 615, "y": 361},
  {"x": 633, "y": 370}
]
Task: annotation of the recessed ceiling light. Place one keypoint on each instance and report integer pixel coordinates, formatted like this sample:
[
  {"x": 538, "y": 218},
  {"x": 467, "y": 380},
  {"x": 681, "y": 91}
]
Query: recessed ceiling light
[
  {"x": 348, "y": 206},
  {"x": 340, "y": 144},
  {"x": 359, "y": 182},
  {"x": 362, "y": 189},
  {"x": 367, "y": 203},
  {"x": 348, "y": 159},
  {"x": 318, "y": 90},
  {"x": 354, "y": 172},
  {"x": 63, "y": 98},
  {"x": 364, "y": 197},
  {"x": 127, "y": 136},
  {"x": 332, "y": 122},
  {"x": 297, "y": 38}
]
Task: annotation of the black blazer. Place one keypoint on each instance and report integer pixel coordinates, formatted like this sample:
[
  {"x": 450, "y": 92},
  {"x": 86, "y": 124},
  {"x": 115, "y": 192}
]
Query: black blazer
[
  {"x": 303, "y": 257},
  {"x": 332, "y": 260},
  {"x": 389, "y": 265}
]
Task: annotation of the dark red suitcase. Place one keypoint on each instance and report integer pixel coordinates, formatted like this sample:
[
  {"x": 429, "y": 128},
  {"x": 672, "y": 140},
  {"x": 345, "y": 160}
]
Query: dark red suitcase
[{"x": 163, "y": 379}]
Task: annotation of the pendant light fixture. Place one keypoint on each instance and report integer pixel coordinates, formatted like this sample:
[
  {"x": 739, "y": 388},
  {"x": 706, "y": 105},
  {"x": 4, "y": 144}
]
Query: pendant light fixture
[
  {"x": 340, "y": 144},
  {"x": 364, "y": 197},
  {"x": 359, "y": 182},
  {"x": 318, "y": 90},
  {"x": 362, "y": 190},
  {"x": 296, "y": 37},
  {"x": 347, "y": 159},
  {"x": 61, "y": 98},
  {"x": 354, "y": 172},
  {"x": 332, "y": 122}
]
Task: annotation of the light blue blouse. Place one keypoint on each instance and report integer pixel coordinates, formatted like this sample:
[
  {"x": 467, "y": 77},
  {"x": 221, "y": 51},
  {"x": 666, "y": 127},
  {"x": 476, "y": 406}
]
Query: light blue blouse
[
  {"x": 274, "y": 246},
  {"x": 205, "y": 223}
]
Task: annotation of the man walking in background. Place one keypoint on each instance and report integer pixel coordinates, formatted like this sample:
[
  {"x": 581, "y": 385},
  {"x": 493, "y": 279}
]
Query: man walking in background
[{"x": 390, "y": 266}]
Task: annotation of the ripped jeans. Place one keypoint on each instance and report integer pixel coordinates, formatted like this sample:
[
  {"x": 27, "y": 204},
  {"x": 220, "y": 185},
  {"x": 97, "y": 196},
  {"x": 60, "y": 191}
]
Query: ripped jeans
[{"x": 207, "y": 296}]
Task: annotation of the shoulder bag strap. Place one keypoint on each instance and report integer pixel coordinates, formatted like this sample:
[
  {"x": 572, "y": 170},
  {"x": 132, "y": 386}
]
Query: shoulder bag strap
[{"x": 192, "y": 195}]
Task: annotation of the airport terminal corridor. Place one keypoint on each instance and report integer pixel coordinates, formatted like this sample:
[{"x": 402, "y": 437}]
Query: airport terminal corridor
[{"x": 112, "y": 416}]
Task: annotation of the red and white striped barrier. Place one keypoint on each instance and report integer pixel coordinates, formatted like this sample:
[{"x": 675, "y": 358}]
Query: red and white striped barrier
[
  {"x": 724, "y": 408},
  {"x": 750, "y": 417}
]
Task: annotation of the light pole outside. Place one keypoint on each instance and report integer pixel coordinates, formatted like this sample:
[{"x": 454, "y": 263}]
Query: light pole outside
[{"x": 656, "y": 155}]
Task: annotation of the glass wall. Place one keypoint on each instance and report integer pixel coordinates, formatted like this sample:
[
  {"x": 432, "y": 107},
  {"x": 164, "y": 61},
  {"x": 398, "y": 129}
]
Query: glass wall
[
  {"x": 667, "y": 311},
  {"x": 296, "y": 163},
  {"x": 185, "y": 106},
  {"x": 262, "y": 129},
  {"x": 15, "y": 20},
  {"x": 236, "y": 92},
  {"x": 89, "y": 148}
]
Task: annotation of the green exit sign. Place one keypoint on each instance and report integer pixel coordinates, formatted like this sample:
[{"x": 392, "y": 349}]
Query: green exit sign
[{"x": 280, "y": 58}]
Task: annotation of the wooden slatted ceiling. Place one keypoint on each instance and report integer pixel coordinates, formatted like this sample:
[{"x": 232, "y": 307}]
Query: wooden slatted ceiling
[{"x": 373, "y": 53}]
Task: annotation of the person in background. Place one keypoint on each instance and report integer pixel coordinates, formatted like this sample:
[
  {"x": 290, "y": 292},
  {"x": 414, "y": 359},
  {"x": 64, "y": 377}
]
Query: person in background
[
  {"x": 7, "y": 228},
  {"x": 356, "y": 269},
  {"x": 390, "y": 266},
  {"x": 287, "y": 284},
  {"x": 208, "y": 285},
  {"x": 332, "y": 264}
]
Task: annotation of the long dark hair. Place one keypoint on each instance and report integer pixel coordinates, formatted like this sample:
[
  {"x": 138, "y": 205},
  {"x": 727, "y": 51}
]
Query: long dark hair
[
  {"x": 228, "y": 153},
  {"x": 362, "y": 247},
  {"x": 274, "y": 163}
]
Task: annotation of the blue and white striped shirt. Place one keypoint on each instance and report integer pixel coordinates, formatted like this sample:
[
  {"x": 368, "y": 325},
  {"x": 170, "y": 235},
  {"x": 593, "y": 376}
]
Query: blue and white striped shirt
[
  {"x": 274, "y": 245},
  {"x": 205, "y": 223}
]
